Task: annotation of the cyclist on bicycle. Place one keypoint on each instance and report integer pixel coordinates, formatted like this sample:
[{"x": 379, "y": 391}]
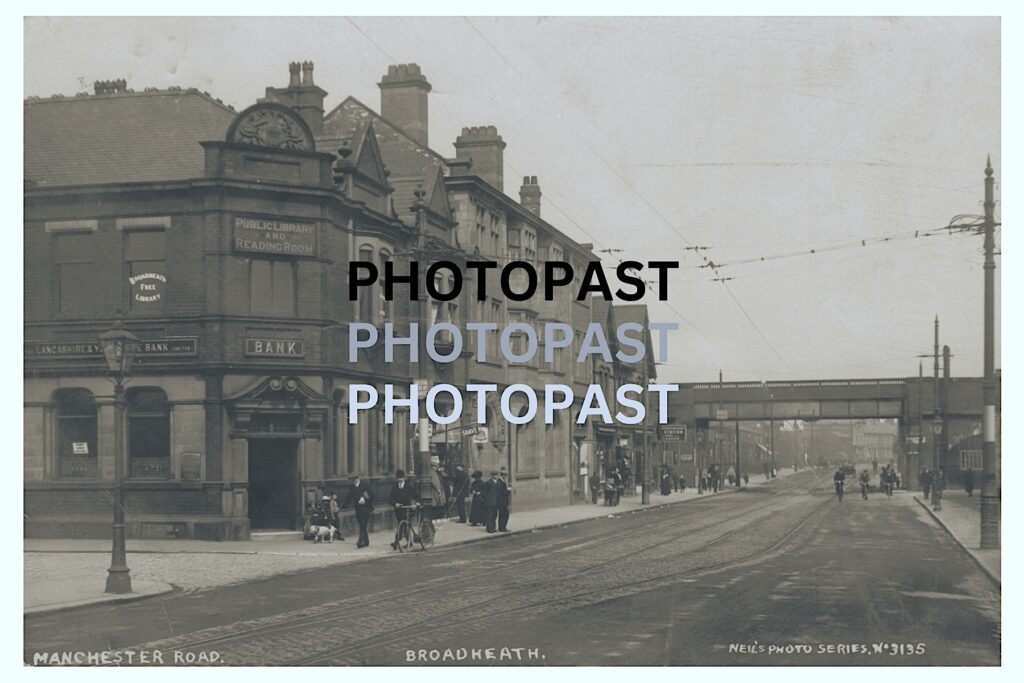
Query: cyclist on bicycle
[
  {"x": 865, "y": 480},
  {"x": 839, "y": 479},
  {"x": 403, "y": 495},
  {"x": 888, "y": 479}
]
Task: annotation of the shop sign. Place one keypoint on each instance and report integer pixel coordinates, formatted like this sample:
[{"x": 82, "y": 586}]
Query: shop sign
[
  {"x": 80, "y": 448},
  {"x": 673, "y": 432},
  {"x": 271, "y": 236},
  {"x": 686, "y": 457},
  {"x": 170, "y": 346},
  {"x": 147, "y": 288},
  {"x": 275, "y": 348},
  {"x": 721, "y": 414}
]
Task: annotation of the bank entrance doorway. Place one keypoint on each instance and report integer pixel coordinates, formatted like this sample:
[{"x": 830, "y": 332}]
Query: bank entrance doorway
[{"x": 273, "y": 483}]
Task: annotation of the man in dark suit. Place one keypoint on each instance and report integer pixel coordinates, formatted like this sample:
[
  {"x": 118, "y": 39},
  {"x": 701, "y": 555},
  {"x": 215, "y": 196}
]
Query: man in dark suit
[
  {"x": 361, "y": 500},
  {"x": 504, "y": 499},
  {"x": 403, "y": 493},
  {"x": 491, "y": 502},
  {"x": 460, "y": 488}
]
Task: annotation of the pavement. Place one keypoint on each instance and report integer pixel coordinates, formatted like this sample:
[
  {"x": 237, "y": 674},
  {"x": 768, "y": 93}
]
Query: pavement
[
  {"x": 66, "y": 573},
  {"x": 774, "y": 575},
  {"x": 960, "y": 516}
]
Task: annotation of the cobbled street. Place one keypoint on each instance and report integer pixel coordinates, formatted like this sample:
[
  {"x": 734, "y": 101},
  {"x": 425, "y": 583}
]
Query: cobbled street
[{"x": 779, "y": 575}]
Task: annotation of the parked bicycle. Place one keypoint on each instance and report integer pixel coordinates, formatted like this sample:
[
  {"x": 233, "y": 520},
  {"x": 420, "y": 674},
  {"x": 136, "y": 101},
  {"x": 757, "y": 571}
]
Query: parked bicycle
[{"x": 416, "y": 528}]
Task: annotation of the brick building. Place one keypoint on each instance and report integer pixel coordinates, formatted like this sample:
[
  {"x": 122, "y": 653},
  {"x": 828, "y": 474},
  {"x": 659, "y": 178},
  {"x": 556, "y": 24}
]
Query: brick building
[{"x": 222, "y": 239}]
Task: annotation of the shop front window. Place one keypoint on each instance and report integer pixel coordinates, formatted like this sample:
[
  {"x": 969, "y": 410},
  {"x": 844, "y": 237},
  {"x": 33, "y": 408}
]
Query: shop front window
[
  {"x": 149, "y": 434},
  {"x": 76, "y": 434}
]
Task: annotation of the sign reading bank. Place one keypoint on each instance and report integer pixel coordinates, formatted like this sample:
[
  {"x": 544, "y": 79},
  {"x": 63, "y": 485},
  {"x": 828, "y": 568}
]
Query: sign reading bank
[{"x": 272, "y": 236}]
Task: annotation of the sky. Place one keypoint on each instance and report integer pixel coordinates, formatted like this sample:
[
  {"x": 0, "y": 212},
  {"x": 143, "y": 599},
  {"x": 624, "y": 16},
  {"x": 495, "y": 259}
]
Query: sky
[{"x": 749, "y": 138}]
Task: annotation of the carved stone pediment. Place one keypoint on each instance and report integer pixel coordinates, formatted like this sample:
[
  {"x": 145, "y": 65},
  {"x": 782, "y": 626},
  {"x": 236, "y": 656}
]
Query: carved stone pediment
[
  {"x": 269, "y": 124},
  {"x": 278, "y": 405}
]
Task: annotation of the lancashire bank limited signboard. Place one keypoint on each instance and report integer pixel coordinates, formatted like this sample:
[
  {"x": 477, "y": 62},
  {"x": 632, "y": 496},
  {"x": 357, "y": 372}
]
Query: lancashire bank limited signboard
[{"x": 258, "y": 235}]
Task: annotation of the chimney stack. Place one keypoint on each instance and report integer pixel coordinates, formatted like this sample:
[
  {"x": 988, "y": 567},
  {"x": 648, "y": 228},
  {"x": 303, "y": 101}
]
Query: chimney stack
[
  {"x": 113, "y": 87},
  {"x": 529, "y": 194},
  {"x": 485, "y": 147},
  {"x": 403, "y": 100},
  {"x": 302, "y": 95}
]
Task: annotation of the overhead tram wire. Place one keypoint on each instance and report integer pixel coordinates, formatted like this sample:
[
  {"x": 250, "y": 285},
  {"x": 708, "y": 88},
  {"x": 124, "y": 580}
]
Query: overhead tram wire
[
  {"x": 565, "y": 215},
  {"x": 645, "y": 201},
  {"x": 715, "y": 266}
]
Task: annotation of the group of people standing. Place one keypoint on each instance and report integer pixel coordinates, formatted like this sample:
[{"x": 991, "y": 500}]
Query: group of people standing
[
  {"x": 489, "y": 506},
  {"x": 490, "y": 500},
  {"x": 671, "y": 481}
]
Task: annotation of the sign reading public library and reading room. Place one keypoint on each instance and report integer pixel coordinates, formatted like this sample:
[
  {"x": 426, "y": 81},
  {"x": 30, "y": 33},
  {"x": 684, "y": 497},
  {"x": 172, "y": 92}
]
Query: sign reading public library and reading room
[{"x": 272, "y": 236}]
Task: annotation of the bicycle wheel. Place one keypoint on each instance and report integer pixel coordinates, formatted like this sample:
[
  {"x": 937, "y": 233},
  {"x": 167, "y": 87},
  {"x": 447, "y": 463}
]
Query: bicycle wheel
[
  {"x": 427, "y": 535},
  {"x": 404, "y": 537}
]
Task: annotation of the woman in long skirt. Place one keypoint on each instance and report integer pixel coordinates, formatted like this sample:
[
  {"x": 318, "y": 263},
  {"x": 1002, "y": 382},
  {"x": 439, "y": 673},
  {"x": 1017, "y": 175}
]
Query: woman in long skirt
[{"x": 476, "y": 507}]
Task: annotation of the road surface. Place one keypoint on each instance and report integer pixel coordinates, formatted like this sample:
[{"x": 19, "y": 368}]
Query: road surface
[{"x": 780, "y": 575}]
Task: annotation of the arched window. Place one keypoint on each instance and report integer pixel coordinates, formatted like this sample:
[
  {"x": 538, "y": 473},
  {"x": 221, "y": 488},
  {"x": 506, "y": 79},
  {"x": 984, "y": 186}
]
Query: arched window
[
  {"x": 149, "y": 433},
  {"x": 385, "y": 305},
  {"x": 76, "y": 433},
  {"x": 367, "y": 295}
]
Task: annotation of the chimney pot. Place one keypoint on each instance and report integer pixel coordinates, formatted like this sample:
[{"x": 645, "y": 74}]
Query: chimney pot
[
  {"x": 529, "y": 195},
  {"x": 403, "y": 100},
  {"x": 293, "y": 74},
  {"x": 484, "y": 147}
]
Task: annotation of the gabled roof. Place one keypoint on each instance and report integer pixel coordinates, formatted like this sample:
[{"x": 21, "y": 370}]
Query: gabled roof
[
  {"x": 436, "y": 196},
  {"x": 124, "y": 137},
  {"x": 369, "y": 162},
  {"x": 402, "y": 155}
]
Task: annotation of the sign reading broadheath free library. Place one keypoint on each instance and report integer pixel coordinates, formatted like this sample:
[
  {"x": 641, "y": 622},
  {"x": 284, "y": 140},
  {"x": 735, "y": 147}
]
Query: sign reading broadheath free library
[{"x": 271, "y": 236}]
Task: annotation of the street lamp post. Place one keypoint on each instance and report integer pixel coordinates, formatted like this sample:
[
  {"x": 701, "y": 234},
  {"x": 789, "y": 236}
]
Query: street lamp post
[{"x": 119, "y": 349}]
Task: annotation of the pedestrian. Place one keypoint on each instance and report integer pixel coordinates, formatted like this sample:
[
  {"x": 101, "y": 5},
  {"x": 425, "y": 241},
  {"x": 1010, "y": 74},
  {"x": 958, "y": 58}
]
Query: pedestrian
[
  {"x": 969, "y": 481},
  {"x": 476, "y": 505},
  {"x": 620, "y": 485},
  {"x": 402, "y": 496},
  {"x": 460, "y": 488},
  {"x": 746, "y": 477},
  {"x": 593, "y": 490},
  {"x": 677, "y": 480},
  {"x": 702, "y": 481},
  {"x": 491, "y": 503},
  {"x": 666, "y": 482},
  {"x": 926, "y": 482},
  {"x": 609, "y": 491},
  {"x": 938, "y": 487},
  {"x": 361, "y": 500},
  {"x": 336, "y": 517},
  {"x": 438, "y": 488},
  {"x": 504, "y": 499}
]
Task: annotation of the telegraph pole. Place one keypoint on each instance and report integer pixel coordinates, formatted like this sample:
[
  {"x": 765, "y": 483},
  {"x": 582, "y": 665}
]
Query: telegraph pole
[
  {"x": 935, "y": 405},
  {"x": 990, "y": 504}
]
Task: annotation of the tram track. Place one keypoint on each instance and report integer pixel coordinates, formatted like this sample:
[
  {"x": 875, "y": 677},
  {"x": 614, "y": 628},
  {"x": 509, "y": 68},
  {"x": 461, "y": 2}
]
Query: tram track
[
  {"x": 402, "y": 634},
  {"x": 316, "y": 619}
]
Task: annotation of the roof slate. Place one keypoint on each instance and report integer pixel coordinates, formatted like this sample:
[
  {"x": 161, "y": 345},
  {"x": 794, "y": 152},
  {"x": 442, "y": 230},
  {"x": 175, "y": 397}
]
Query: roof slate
[{"x": 127, "y": 137}]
